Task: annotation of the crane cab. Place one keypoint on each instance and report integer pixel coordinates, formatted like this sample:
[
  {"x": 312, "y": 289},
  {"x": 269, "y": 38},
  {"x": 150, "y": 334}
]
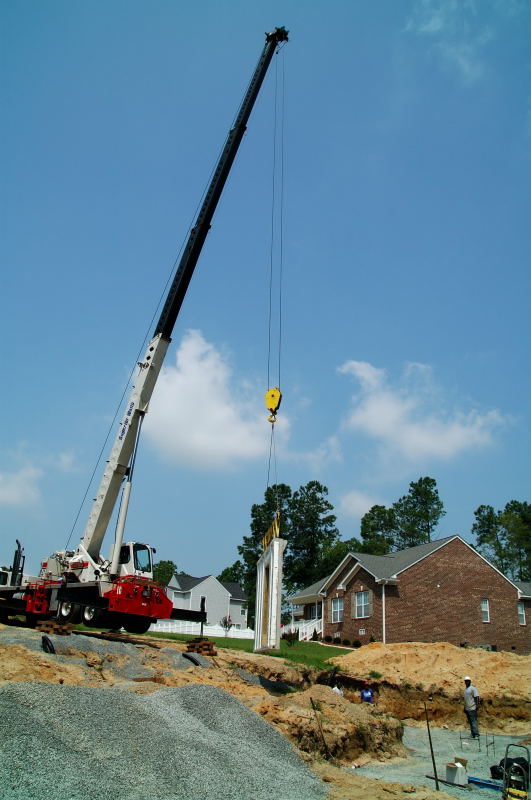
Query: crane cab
[{"x": 136, "y": 559}]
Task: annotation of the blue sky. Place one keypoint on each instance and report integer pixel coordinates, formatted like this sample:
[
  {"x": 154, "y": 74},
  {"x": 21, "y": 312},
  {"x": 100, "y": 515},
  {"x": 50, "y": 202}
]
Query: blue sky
[{"x": 405, "y": 250}]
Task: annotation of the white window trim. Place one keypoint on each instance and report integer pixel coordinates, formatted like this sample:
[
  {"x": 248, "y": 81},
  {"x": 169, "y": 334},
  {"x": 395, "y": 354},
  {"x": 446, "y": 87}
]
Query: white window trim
[
  {"x": 521, "y": 613},
  {"x": 363, "y": 605},
  {"x": 486, "y": 607},
  {"x": 337, "y": 609}
]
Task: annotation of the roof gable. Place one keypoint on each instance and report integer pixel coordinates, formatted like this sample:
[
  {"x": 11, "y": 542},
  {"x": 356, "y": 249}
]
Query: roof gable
[
  {"x": 186, "y": 582},
  {"x": 298, "y": 598},
  {"x": 388, "y": 567}
]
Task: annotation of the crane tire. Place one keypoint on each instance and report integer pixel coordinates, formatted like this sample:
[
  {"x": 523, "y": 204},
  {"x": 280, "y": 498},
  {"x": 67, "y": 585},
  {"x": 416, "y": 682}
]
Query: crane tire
[
  {"x": 68, "y": 612},
  {"x": 134, "y": 624},
  {"x": 91, "y": 616},
  {"x": 47, "y": 645}
]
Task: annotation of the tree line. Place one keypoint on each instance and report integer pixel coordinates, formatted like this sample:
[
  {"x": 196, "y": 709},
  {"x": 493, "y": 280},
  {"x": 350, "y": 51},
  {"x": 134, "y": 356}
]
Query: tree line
[{"x": 315, "y": 548}]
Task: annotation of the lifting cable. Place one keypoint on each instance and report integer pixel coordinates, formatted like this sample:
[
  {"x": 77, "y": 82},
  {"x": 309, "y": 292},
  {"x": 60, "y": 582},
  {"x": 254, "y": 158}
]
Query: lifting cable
[{"x": 273, "y": 396}]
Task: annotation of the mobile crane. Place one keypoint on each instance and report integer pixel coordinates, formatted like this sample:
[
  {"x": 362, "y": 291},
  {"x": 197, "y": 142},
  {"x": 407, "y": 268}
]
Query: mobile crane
[{"x": 120, "y": 591}]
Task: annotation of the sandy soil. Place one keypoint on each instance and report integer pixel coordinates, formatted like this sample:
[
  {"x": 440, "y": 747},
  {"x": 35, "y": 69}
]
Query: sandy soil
[{"x": 441, "y": 666}]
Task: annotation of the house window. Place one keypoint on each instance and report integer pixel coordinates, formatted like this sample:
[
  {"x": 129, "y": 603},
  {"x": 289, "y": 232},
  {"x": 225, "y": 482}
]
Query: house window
[
  {"x": 485, "y": 613},
  {"x": 337, "y": 609},
  {"x": 521, "y": 613},
  {"x": 362, "y": 604}
]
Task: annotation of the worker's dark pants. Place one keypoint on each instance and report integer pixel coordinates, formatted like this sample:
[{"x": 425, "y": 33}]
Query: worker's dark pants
[{"x": 472, "y": 717}]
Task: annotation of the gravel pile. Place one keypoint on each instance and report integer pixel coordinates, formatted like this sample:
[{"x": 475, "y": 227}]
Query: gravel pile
[
  {"x": 195, "y": 742},
  {"x": 129, "y": 666}
]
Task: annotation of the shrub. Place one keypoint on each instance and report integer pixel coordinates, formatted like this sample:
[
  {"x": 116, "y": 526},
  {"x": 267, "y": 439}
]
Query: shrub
[
  {"x": 226, "y": 623},
  {"x": 356, "y": 643},
  {"x": 315, "y": 637},
  {"x": 346, "y": 642},
  {"x": 375, "y": 675},
  {"x": 328, "y": 638},
  {"x": 290, "y": 637}
]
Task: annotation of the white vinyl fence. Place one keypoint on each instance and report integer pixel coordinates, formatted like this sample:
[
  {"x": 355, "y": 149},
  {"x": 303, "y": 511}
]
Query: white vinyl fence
[{"x": 194, "y": 629}]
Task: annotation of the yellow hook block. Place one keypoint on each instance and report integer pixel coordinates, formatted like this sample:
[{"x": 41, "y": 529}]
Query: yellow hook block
[{"x": 273, "y": 399}]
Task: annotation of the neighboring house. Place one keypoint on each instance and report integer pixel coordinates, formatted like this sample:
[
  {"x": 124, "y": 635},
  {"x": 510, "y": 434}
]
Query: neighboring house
[
  {"x": 438, "y": 591},
  {"x": 221, "y": 599}
]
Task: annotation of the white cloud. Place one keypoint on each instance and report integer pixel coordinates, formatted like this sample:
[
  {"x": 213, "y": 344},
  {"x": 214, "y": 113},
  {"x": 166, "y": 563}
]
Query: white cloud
[
  {"x": 20, "y": 488},
  {"x": 370, "y": 377},
  {"x": 201, "y": 416},
  {"x": 356, "y": 503},
  {"x": 326, "y": 453},
  {"x": 458, "y": 36},
  {"x": 410, "y": 419},
  {"x": 65, "y": 462}
]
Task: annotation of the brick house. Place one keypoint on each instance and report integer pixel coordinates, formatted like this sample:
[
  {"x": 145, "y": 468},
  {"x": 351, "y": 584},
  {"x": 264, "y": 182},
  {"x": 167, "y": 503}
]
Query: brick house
[{"x": 438, "y": 591}]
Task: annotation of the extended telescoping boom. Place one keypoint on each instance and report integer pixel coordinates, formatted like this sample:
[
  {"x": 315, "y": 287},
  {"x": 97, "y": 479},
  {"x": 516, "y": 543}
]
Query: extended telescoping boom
[{"x": 120, "y": 591}]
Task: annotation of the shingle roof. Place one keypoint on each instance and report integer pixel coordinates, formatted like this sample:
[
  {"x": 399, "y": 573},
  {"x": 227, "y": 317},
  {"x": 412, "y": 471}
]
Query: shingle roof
[
  {"x": 187, "y": 582},
  {"x": 309, "y": 591},
  {"x": 235, "y": 590},
  {"x": 391, "y": 564},
  {"x": 525, "y": 588}
]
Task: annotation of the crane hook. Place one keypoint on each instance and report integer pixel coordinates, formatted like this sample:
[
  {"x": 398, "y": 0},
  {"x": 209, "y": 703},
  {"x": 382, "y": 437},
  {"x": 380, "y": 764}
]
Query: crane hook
[{"x": 273, "y": 398}]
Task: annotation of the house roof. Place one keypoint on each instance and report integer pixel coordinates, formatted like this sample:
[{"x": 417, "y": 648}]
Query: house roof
[
  {"x": 304, "y": 595},
  {"x": 390, "y": 565},
  {"x": 186, "y": 583},
  {"x": 235, "y": 590}
]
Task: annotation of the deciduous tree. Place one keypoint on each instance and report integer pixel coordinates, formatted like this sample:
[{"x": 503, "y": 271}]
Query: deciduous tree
[{"x": 163, "y": 571}]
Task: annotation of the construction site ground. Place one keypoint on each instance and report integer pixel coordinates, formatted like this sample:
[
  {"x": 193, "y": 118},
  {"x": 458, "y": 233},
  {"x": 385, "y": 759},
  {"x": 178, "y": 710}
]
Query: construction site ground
[{"x": 357, "y": 750}]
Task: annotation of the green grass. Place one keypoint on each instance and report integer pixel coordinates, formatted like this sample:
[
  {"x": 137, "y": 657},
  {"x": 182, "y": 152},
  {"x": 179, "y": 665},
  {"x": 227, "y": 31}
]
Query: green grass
[{"x": 307, "y": 654}]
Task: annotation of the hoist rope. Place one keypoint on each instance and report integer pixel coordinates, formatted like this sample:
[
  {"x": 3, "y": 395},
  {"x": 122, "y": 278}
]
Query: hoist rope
[
  {"x": 277, "y": 213},
  {"x": 276, "y": 248}
]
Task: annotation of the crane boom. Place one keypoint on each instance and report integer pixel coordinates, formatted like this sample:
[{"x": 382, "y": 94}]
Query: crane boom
[{"x": 119, "y": 465}]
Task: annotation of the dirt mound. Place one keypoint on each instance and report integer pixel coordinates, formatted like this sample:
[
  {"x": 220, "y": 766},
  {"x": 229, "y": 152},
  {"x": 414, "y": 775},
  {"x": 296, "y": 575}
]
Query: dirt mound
[
  {"x": 440, "y": 666},
  {"x": 406, "y": 675},
  {"x": 332, "y": 726}
]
